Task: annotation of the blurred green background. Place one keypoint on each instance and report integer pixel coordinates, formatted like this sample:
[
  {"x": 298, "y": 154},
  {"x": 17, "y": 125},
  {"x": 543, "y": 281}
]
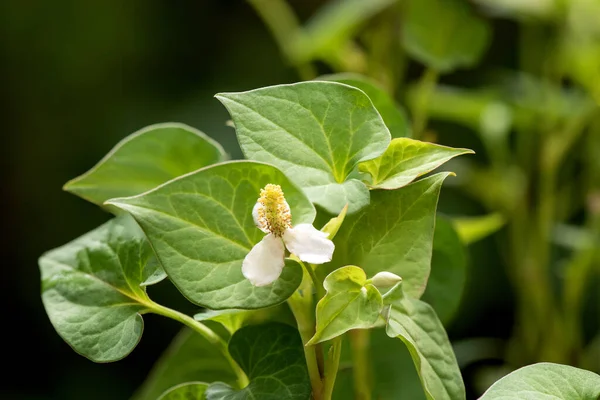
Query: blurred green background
[{"x": 79, "y": 76}]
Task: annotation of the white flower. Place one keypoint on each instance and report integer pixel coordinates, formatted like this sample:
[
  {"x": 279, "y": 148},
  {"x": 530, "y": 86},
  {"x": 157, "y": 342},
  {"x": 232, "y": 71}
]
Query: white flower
[{"x": 272, "y": 215}]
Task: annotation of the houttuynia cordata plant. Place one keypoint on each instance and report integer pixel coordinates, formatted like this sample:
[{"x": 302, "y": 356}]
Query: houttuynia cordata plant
[{"x": 297, "y": 257}]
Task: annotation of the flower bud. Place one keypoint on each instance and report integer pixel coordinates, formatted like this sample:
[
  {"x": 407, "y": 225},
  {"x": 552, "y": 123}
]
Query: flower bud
[{"x": 385, "y": 279}]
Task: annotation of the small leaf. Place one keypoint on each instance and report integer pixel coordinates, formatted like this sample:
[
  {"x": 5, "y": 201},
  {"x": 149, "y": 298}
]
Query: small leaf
[
  {"x": 448, "y": 271},
  {"x": 546, "y": 381},
  {"x": 334, "y": 224},
  {"x": 416, "y": 324},
  {"x": 201, "y": 228},
  {"x": 473, "y": 229},
  {"x": 144, "y": 160},
  {"x": 405, "y": 160},
  {"x": 233, "y": 320},
  {"x": 394, "y": 233},
  {"x": 350, "y": 303},
  {"x": 186, "y": 391},
  {"x": 272, "y": 356},
  {"x": 93, "y": 289},
  {"x": 444, "y": 34},
  {"x": 393, "y": 115},
  {"x": 189, "y": 357},
  {"x": 315, "y": 132}
]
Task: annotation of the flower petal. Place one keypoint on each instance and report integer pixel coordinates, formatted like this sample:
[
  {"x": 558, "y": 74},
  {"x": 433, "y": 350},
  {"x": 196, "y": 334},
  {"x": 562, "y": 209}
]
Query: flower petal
[
  {"x": 309, "y": 244},
  {"x": 264, "y": 263},
  {"x": 257, "y": 220}
]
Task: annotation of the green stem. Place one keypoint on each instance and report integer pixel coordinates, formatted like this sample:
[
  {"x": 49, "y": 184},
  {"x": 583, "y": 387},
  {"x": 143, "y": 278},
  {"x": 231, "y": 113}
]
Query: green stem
[
  {"x": 207, "y": 333},
  {"x": 331, "y": 367},
  {"x": 359, "y": 342},
  {"x": 301, "y": 304},
  {"x": 420, "y": 113}
]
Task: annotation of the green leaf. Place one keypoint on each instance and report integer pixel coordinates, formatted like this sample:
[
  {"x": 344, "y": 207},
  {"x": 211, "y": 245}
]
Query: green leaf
[
  {"x": 333, "y": 225},
  {"x": 473, "y": 229},
  {"x": 391, "y": 112},
  {"x": 444, "y": 34},
  {"x": 315, "y": 132},
  {"x": 233, "y": 320},
  {"x": 448, "y": 270},
  {"x": 416, "y": 324},
  {"x": 405, "y": 160},
  {"x": 272, "y": 356},
  {"x": 186, "y": 391},
  {"x": 93, "y": 289},
  {"x": 546, "y": 381},
  {"x": 144, "y": 160},
  {"x": 394, "y": 233},
  {"x": 350, "y": 303},
  {"x": 189, "y": 357},
  {"x": 201, "y": 228},
  {"x": 393, "y": 373}
]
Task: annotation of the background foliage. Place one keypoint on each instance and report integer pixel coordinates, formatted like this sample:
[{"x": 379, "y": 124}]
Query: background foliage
[{"x": 78, "y": 77}]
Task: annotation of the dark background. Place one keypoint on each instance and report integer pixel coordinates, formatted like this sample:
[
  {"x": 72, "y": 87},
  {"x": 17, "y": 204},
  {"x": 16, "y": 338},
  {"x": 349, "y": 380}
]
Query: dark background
[{"x": 76, "y": 77}]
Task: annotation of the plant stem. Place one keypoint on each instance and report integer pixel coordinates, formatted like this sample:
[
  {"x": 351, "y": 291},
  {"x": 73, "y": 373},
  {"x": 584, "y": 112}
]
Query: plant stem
[
  {"x": 301, "y": 304},
  {"x": 426, "y": 86},
  {"x": 207, "y": 333},
  {"x": 331, "y": 367},
  {"x": 359, "y": 341}
]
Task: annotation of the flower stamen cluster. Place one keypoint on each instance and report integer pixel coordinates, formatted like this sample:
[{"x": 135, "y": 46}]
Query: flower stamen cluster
[{"x": 272, "y": 211}]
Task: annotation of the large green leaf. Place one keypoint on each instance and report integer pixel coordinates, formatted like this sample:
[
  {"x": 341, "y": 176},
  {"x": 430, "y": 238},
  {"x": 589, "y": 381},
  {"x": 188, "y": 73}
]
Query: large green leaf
[
  {"x": 315, "y": 132},
  {"x": 189, "y": 357},
  {"x": 201, "y": 228},
  {"x": 93, "y": 289},
  {"x": 144, "y": 160},
  {"x": 394, "y": 233},
  {"x": 546, "y": 381},
  {"x": 350, "y": 303},
  {"x": 405, "y": 160},
  {"x": 444, "y": 34},
  {"x": 186, "y": 391},
  {"x": 391, "y": 112},
  {"x": 272, "y": 356},
  {"x": 448, "y": 270},
  {"x": 416, "y": 324}
]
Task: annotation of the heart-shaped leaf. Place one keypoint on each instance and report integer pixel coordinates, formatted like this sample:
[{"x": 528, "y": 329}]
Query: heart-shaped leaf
[
  {"x": 444, "y": 34},
  {"x": 201, "y": 228},
  {"x": 405, "y": 160},
  {"x": 546, "y": 381},
  {"x": 448, "y": 270},
  {"x": 93, "y": 289},
  {"x": 416, "y": 324},
  {"x": 272, "y": 356},
  {"x": 189, "y": 357},
  {"x": 393, "y": 115},
  {"x": 186, "y": 391},
  {"x": 315, "y": 132},
  {"x": 144, "y": 160},
  {"x": 394, "y": 233},
  {"x": 350, "y": 303}
]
